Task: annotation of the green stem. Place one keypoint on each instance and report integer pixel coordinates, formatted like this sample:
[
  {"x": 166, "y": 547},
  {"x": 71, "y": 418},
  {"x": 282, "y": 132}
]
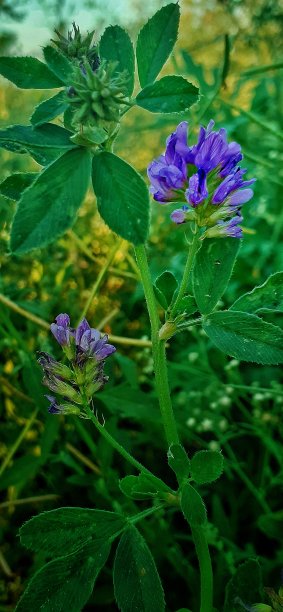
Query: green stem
[
  {"x": 120, "y": 449},
  {"x": 18, "y": 441},
  {"x": 206, "y": 575},
  {"x": 158, "y": 351},
  {"x": 188, "y": 267}
]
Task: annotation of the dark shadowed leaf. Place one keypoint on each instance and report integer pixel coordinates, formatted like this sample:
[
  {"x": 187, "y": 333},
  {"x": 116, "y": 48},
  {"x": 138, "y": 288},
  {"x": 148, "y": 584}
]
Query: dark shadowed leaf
[
  {"x": 14, "y": 185},
  {"x": 171, "y": 94},
  {"x": 137, "y": 584},
  {"x": 49, "y": 109},
  {"x": 245, "y": 337},
  {"x": 165, "y": 287},
  {"x": 122, "y": 197},
  {"x": 49, "y": 206},
  {"x": 246, "y": 584},
  {"x": 65, "y": 583},
  {"x": 213, "y": 267},
  {"x": 44, "y": 143},
  {"x": 68, "y": 529},
  {"x": 116, "y": 46},
  {"x": 28, "y": 73},
  {"x": 156, "y": 41}
]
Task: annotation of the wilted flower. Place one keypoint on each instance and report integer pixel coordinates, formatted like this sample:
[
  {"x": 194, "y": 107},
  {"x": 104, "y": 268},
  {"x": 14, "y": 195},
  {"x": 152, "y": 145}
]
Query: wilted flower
[
  {"x": 86, "y": 350},
  {"x": 205, "y": 177}
]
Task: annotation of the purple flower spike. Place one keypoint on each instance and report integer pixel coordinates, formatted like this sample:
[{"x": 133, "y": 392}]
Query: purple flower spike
[{"x": 61, "y": 330}]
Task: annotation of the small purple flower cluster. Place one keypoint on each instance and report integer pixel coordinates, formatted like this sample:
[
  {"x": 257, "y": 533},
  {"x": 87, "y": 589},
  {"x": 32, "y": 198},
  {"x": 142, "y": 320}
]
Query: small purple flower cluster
[
  {"x": 205, "y": 176},
  {"x": 86, "y": 350}
]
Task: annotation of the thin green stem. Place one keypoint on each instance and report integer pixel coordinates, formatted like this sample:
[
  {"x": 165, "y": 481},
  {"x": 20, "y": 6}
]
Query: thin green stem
[
  {"x": 120, "y": 449},
  {"x": 188, "y": 267},
  {"x": 158, "y": 351},
  {"x": 206, "y": 575}
]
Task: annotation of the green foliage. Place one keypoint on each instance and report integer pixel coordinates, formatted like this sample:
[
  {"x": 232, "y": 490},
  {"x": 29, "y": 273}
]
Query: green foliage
[
  {"x": 58, "y": 63},
  {"x": 212, "y": 270},
  {"x": 206, "y": 466},
  {"x": 171, "y": 94},
  {"x": 28, "y": 73},
  {"x": 272, "y": 525},
  {"x": 137, "y": 584},
  {"x": 49, "y": 206},
  {"x": 164, "y": 287},
  {"x": 44, "y": 143},
  {"x": 138, "y": 487},
  {"x": 156, "y": 41},
  {"x": 246, "y": 584},
  {"x": 245, "y": 336},
  {"x": 116, "y": 46},
  {"x": 192, "y": 505},
  {"x": 67, "y": 530},
  {"x": 49, "y": 109},
  {"x": 179, "y": 461},
  {"x": 122, "y": 197},
  {"x": 66, "y": 582},
  {"x": 268, "y": 297},
  {"x": 13, "y": 186}
]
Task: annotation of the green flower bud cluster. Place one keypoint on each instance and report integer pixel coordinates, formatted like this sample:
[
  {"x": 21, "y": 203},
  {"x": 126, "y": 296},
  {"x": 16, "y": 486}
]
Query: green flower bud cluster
[
  {"x": 97, "y": 97},
  {"x": 77, "y": 47}
]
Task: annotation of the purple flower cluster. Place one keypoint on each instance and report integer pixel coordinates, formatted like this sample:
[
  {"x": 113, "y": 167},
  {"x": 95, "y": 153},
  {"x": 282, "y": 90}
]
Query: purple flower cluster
[
  {"x": 86, "y": 350},
  {"x": 205, "y": 177}
]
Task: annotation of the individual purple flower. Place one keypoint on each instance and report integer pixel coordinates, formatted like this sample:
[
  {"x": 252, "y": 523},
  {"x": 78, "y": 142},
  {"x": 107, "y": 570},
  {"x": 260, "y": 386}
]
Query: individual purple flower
[
  {"x": 197, "y": 191},
  {"x": 168, "y": 173},
  {"x": 66, "y": 408},
  {"x": 91, "y": 341},
  {"x": 230, "y": 184},
  {"x": 179, "y": 215},
  {"x": 231, "y": 228},
  {"x": 61, "y": 329}
]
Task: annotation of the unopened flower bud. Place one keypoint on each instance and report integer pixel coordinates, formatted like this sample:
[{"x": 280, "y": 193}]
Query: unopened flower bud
[{"x": 167, "y": 330}]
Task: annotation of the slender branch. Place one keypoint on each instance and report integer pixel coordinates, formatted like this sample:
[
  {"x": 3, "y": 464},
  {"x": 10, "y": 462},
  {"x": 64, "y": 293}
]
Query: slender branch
[
  {"x": 158, "y": 351},
  {"x": 206, "y": 575},
  {"x": 186, "y": 275},
  {"x": 18, "y": 441}
]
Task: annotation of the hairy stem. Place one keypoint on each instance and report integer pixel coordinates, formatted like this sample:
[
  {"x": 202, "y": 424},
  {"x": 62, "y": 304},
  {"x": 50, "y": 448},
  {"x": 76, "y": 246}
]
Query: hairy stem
[
  {"x": 206, "y": 575},
  {"x": 186, "y": 275}
]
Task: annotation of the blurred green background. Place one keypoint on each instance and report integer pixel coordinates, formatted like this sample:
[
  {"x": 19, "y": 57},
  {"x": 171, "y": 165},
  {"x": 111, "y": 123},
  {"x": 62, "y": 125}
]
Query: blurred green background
[{"x": 219, "y": 402}]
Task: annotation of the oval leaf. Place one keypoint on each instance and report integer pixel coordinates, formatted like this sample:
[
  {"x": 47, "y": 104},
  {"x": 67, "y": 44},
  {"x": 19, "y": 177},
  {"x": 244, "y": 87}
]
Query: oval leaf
[
  {"x": 265, "y": 298},
  {"x": 65, "y": 583},
  {"x": 245, "y": 337},
  {"x": 58, "y": 64},
  {"x": 116, "y": 46},
  {"x": 122, "y": 197},
  {"x": 156, "y": 41},
  {"x": 206, "y": 466},
  {"x": 44, "y": 143},
  {"x": 192, "y": 505},
  {"x": 28, "y": 73},
  {"x": 171, "y": 94},
  {"x": 49, "y": 109},
  {"x": 138, "y": 487},
  {"x": 49, "y": 206},
  {"x": 137, "y": 584},
  {"x": 166, "y": 285},
  {"x": 212, "y": 270}
]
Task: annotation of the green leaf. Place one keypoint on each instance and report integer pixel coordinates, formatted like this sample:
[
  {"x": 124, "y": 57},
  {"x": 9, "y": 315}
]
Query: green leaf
[
  {"x": 58, "y": 64},
  {"x": 165, "y": 287},
  {"x": 116, "y": 46},
  {"x": 122, "y": 197},
  {"x": 22, "y": 470},
  {"x": 44, "y": 143},
  {"x": 65, "y": 530},
  {"x": 265, "y": 298},
  {"x": 171, "y": 94},
  {"x": 49, "y": 109},
  {"x": 245, "y": 337},
  {"x": 206, "y": 466},
  {"x": 49, "y": 206},
  {"x": 137, "y": 584},
  {"x": 192, "y": 505},
  {"x": 178, "y": 461},
  {"x": 28, "y": 73},
  {"x": 13, "y": 186},
  {"x": 138, "y": 487},
  {"x": 245, "y": 584},
  {"x": 212, "y": 270},
  {"x": 65, "y": 583},
  {"x": 156, "y": 41},
  {"x": 187, "y": 305},
  {"x": 272, "y": 524}
]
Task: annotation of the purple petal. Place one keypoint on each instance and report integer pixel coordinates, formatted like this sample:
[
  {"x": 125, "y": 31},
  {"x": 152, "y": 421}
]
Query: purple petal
[
  {"x": 240, "y": 197},
  {"x": 178, "y": 216},
  {"x": 63, "y": 320},
  {"x": 81, "y": 329},
  {"x": 197, "y": 191}
]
